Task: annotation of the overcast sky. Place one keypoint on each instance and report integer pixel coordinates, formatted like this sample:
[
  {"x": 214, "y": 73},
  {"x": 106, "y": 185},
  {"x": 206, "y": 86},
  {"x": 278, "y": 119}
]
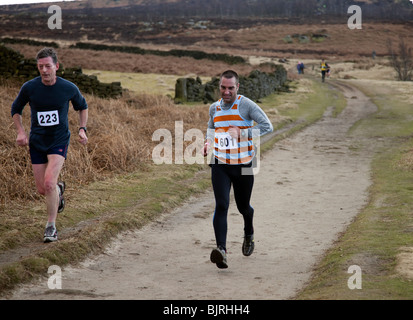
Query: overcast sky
[{"x": 6, "y": 2}]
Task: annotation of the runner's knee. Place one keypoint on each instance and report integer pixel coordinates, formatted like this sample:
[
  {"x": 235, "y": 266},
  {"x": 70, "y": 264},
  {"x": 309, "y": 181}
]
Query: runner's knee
[
  {"x": 221, "y": 205},
  {"x": 49, "y": 186},
  {"x": 245, "y": 210},
  {"x": 41, "y": 190}
]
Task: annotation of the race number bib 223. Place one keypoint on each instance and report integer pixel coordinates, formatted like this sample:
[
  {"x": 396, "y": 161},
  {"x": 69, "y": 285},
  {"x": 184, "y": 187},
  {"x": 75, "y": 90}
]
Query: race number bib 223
[{"x": 48, "y": 118}]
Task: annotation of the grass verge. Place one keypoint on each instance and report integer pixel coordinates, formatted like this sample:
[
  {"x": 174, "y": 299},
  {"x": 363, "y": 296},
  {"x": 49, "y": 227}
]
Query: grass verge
[
  {"x": 384, "y": 229},
  {"x": 101, "y": 211},
  {"x": 148, "y": 83}
]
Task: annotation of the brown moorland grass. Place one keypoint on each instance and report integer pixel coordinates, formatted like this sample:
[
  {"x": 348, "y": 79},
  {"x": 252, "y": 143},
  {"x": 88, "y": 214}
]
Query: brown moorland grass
[
  {"x": 128, "y": 62},
  {"x": 341, "y": 43},
  {"x": 120, "y": 140},
  {"x": 113, "y": 173}
]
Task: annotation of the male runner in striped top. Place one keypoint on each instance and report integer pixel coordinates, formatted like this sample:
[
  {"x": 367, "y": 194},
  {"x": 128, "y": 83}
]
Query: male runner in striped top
[{"x": 230, "y": 133}]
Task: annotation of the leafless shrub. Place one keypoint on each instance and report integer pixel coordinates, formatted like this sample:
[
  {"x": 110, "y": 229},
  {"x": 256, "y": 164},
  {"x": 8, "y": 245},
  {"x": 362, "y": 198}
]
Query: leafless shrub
[{"x": 401, "y": 61}]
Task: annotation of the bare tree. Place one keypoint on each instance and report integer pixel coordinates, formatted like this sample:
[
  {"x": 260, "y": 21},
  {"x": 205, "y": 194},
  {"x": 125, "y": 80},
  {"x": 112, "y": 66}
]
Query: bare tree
[{"x": 402, "y": 61}]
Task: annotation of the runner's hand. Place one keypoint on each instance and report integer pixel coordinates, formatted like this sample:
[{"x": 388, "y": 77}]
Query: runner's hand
[
  {"x": 205, "y": 150},
  {"x": 22, "y": 139},
  {"x": 234, "y": 132},
  {"x": 82, "y": 137}
]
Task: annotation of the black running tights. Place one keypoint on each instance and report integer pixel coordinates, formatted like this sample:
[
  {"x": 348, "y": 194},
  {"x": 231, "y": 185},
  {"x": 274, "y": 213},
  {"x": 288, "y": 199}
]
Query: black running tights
[{"x": 223, "y": 176}]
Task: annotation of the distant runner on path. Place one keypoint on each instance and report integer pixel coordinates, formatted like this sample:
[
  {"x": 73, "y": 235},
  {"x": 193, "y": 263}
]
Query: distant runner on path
[
  {"x": 325, "y": 70},
  {"x": 230, "y": 133},
  {"x": 49, "y": 97}
]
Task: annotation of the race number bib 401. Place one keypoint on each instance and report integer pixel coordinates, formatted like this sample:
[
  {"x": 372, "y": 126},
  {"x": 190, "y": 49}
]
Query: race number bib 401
[
  {"x": 48, "y": 118},
  {"x": 226, "y": 142}
]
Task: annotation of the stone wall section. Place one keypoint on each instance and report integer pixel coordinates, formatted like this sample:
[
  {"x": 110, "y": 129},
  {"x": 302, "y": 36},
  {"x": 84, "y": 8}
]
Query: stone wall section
[
  {"x": 257, "y": 85},
  {"x": 14, "y": 65}
]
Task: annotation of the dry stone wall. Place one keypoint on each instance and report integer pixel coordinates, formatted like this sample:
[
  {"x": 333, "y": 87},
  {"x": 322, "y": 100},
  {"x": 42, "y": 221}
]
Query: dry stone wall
[
  {"x": 14, "y": 65},
  {"x": 257, "y": 85}
]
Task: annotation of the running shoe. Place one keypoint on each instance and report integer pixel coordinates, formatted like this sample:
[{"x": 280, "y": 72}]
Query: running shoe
[
  {"x": 219, "y": 256},
  {"x": 248, "y": 245},
  {"x": 50, "y": 234},
  {"x": 62, "y": 187}
]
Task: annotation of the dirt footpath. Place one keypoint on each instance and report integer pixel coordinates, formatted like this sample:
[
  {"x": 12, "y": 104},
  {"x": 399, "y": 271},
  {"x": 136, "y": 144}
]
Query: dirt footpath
[{"x": 309, "y": 188}]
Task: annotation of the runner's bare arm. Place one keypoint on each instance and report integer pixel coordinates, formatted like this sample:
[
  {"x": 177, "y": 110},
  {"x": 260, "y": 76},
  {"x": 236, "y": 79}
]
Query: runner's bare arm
[
  {"x": 21, "y": 133},
  {"x": 83, "y": 116}
]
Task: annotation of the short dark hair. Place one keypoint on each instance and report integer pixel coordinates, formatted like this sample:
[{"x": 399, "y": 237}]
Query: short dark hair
[
  {"x": 230, "y": 74},
  {"x": 47, "y": 52}
]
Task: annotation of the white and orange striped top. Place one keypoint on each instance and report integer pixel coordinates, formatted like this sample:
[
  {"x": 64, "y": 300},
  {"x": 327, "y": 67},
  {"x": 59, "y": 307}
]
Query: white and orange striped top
[{"x": 227, "y": 149}]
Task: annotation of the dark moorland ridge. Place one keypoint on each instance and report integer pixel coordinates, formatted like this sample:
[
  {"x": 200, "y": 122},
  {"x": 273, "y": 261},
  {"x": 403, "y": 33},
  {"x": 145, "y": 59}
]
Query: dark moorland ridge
[
  {"x": 145, "y": 10},
  {"x": 156, "y": 21}
]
